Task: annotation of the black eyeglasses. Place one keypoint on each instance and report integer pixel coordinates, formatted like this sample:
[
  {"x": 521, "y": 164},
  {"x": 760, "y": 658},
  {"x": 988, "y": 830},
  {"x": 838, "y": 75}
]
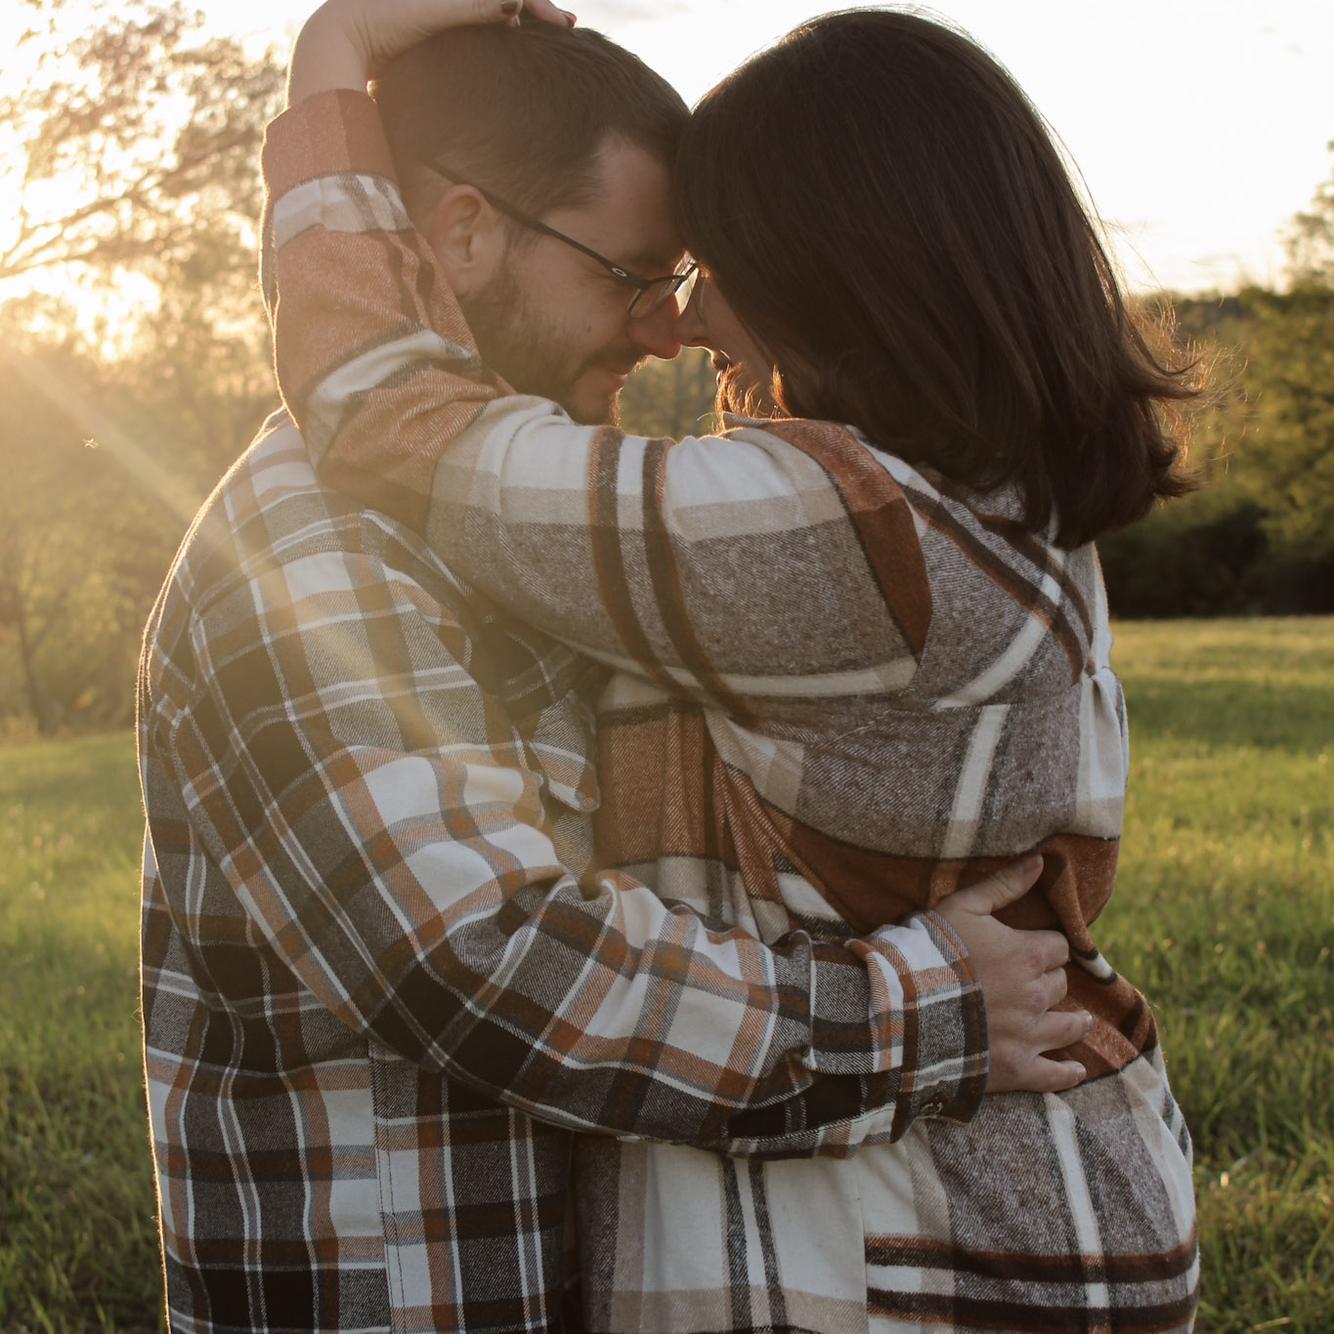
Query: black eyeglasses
[{"x": 651, "y": 294}]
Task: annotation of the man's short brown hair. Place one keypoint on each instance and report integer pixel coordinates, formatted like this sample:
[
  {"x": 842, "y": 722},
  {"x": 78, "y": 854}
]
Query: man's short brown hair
[{"x": 521, "y": 111}]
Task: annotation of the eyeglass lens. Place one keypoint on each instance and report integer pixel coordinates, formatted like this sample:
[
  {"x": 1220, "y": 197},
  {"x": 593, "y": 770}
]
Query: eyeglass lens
[{"x": 650, "y": 299}]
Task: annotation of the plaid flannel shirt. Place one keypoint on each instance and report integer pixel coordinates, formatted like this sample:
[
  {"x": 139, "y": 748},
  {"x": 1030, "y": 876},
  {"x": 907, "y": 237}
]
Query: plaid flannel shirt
[
  {"x": 842, "y": 687},
  {"x": 382, "y": 986}
]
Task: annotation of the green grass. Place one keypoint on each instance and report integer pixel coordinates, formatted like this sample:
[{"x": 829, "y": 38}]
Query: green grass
[
  {"x": 1223, "y": 916},
  {"x": 78, "y": 1244}
]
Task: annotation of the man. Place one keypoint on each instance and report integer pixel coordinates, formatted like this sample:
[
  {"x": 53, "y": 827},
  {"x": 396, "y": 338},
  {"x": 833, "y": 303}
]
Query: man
[{"x": 382, "y": 986}]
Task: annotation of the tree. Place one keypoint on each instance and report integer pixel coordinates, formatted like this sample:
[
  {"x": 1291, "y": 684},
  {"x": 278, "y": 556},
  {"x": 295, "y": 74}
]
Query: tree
[
  {"x": 152, "y": 129},
  {"x": 53, "y": 525},
  {"x": 1260, "y": 536},
  {"x": 137, "y": 140},
  {"x": 1293, "y": 359},
  {"x": 1292, "y": 452},
  {"x": 1309, "y": 239}
]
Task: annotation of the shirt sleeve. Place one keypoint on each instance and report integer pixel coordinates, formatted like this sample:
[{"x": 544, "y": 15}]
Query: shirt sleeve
[
  {"x": 762, "y": 572},
  {"x": 376, "y": 816}
]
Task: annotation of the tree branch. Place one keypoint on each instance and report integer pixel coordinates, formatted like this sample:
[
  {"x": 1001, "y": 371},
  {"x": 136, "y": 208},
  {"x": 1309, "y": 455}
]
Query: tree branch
[{"x": 44, "y": 252}]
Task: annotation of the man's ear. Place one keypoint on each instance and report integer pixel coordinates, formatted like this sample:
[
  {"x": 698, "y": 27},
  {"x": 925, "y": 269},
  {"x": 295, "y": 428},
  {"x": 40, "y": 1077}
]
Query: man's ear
[{"x": 468, "y": 237}]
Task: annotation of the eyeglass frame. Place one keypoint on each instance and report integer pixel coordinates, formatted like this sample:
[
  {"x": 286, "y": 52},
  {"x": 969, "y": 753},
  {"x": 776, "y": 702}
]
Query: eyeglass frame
[{"x": 641, "y": 285}]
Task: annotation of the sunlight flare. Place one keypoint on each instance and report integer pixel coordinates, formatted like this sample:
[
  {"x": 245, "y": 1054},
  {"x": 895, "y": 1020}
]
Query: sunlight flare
[{"x": 144, "y": 466}]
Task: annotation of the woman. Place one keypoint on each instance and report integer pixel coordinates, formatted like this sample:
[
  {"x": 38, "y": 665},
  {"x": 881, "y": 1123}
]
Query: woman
[{"x": 860, "y": 642}]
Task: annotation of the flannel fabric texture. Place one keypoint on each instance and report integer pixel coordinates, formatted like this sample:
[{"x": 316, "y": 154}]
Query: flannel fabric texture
[
  {"x": 380, "y": 987},
  {"x": 841, "y": 687}
]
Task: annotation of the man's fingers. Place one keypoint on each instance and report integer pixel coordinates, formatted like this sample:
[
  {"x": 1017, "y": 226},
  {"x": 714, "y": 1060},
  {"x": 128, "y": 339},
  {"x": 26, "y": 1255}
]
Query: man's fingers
[
  {"x": 1054, "y": 1076},
  {"x": 1007, "y": 885},
  {"x": 1062, "y": 1028},
  {"x": 1016, "y": 1072},
  {"x": 1055, "y": 949},
  {"x": 1053, "y": 986}
]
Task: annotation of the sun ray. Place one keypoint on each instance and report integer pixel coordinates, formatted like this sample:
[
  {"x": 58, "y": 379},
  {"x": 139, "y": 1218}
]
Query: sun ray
[{"x": 146, "y": 468}]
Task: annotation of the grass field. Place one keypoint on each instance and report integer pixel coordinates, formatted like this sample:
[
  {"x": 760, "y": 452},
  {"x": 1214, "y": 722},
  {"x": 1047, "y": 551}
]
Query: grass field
[{"x": 1224, "y": 915}]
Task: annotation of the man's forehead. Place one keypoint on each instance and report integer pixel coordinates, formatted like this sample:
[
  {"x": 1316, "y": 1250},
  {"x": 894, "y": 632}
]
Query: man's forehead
[{"x": 630, "y": 209}]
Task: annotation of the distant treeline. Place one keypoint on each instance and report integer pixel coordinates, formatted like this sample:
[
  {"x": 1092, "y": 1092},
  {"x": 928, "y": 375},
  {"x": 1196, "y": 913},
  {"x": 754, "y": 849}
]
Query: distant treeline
[
  {"x": 1258, "y": 537},
  {"x": 104, "y": 461}
]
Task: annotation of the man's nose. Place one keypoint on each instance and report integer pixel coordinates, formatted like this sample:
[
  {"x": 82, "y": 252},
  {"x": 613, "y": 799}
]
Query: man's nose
[
  {"x": 690, "y": 329},
  {"x": 657, "y": 332}
]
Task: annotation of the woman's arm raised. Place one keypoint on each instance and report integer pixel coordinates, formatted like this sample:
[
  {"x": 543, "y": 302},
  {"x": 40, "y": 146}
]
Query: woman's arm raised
[
  {"x": 764, "y": 572},
  {"x": 344, "y": 42}
]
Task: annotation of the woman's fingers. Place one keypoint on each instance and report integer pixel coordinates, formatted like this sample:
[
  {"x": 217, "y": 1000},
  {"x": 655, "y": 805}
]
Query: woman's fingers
[
  {"x": 344, "y": 42},
  {"x": 386, "y": 28},
  {"x": 548, "y": 12}
]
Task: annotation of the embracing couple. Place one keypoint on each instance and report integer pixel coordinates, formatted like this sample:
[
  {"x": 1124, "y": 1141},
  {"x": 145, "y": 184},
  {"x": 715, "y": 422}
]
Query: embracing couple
[{"x": 601, "y": 883}]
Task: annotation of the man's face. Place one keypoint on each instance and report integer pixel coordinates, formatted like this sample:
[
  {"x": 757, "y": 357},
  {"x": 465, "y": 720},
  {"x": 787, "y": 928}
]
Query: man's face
[{"x": 555, "y": 323}]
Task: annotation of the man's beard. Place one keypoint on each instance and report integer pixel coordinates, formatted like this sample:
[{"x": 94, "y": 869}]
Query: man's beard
[{"x": 531, "y": 354}]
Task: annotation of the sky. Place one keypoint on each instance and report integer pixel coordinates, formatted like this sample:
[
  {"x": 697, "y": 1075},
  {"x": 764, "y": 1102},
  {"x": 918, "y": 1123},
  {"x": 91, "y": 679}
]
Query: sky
[{"x": 1199, "y": 128}]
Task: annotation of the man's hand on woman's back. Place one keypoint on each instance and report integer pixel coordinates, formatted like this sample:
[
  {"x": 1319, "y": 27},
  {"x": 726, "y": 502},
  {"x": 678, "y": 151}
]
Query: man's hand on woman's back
[{"x": 1022, "y": 977}]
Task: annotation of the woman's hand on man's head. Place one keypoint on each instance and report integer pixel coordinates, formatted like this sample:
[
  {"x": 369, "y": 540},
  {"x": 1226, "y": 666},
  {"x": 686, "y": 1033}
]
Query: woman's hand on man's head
[
  {"x": 1022, "y": 977},
  {"x": 345, "y": 42}
]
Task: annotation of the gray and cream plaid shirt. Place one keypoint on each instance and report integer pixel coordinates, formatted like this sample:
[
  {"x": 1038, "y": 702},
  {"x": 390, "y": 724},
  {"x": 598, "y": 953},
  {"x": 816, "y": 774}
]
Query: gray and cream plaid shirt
[{"x": 842, "y": 686}]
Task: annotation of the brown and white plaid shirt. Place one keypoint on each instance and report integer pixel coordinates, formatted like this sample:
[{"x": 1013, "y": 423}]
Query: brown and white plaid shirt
[
  {"x": 382, "y": 987},
  {"x": 841, "y": 687},
  {"x": 379, "y": 994}
]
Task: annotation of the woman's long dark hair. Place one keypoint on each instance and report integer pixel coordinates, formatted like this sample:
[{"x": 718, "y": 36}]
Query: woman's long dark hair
[{"x": 887, "y": 213}]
